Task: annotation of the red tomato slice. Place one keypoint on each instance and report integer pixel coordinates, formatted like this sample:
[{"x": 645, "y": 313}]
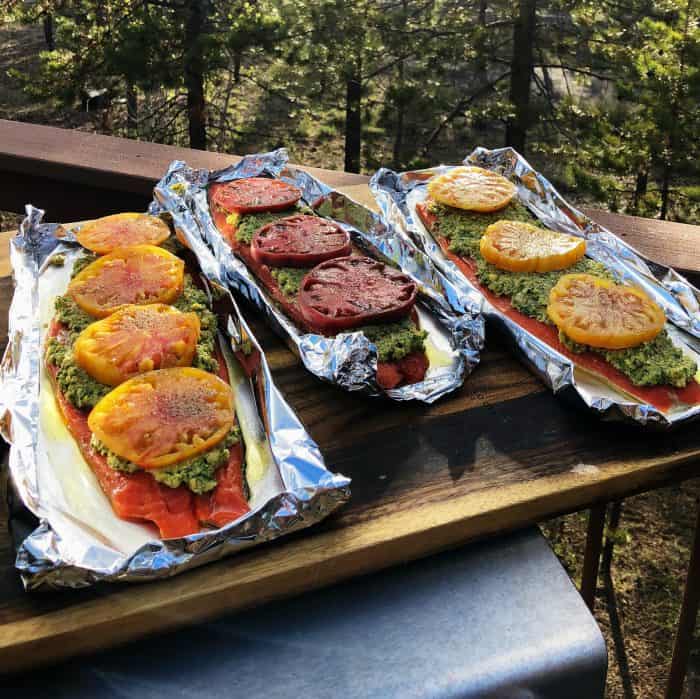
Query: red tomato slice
[
  {"x": 252, "y": 194},
  {"x": 299, "y": 241},
  {"x": 348, "y": 292}
]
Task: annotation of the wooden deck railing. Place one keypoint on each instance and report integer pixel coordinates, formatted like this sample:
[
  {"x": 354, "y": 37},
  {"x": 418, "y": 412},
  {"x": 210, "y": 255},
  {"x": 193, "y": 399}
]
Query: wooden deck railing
[{"x": 76, "y": 175}]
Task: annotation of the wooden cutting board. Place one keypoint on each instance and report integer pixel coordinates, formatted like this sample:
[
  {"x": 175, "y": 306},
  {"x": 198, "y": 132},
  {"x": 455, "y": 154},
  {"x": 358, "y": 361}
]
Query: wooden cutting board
[{"x": 498, "y": 454}]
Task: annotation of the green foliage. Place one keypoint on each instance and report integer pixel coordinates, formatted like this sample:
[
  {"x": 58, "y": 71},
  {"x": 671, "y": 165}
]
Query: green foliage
[{"x": 612, "y": 113}]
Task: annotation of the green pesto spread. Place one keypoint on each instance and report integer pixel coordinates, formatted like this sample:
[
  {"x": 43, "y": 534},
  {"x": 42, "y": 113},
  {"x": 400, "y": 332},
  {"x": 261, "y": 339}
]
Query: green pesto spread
[
  {"x": 78, "y": 387},
  {"x": 82, "y": 262},
  {"x": 289, "y": 279},
  {"x": 464, "y": 228},
  {"x": 84, "y": 392},
  {"x": 394, "y": 341},
  {"x": 529, "y": 291},
  {"x": 247, "y": 224},
  {"x": 71, "y": 315},
  {"x": 195, "y": 300},
  {"x": 652, "y": 363},
  {"x": 198, "y": 474}
]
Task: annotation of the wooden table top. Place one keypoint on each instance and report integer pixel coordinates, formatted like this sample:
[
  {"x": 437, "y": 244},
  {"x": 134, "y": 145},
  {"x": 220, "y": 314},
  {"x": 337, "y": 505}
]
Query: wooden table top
[{"x": 498, "y": 454}]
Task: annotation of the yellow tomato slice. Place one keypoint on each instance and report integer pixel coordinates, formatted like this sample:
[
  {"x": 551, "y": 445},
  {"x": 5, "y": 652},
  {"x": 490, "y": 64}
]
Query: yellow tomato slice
[
  {"x": 163, "y": 417},
  {"x": 136, "y": 339},
  {"x": 601, "y": 313},
  {"x": 472, "y": 188},
  {"x": 121, "y": 230},
  {"x": 135, "y": 275},
  {"x": 517, "y": 246}
]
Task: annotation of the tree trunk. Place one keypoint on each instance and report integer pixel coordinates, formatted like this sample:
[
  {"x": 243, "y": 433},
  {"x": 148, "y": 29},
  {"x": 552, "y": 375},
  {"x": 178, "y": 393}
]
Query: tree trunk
[
  {"x": 665, "y": 190},
  {"x": 521, "y": 74},
  {"x": 483, "y": 6},
  {"x": 132, "y": 111},
  {"x": 640, "y": 187},
  {"x": 672, "y": 142},
  {"x": 400, "y": 115},
  {"x": 481, "y": 64},
  {"x": 353, "y": 124},
  {"x": 48, "y": 32},
  {"x": 237, "y": 66},
  {"x": 197, "y": 11},
  {"x": 401, "y": 97}
]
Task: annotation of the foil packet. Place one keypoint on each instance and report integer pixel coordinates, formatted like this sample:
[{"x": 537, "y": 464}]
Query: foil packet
[
  {"x": 79, "y": 540},
  {"x": 398, "y": 194},
  {"x": 451, "y": 317}
]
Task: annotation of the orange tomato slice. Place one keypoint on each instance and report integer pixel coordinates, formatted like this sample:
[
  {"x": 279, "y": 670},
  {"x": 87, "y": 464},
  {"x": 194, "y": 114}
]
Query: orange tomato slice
[
  {"x": 121, "y": 230},
  {"x": 162, "y": 417},
  {"x": 517, "y": 246},
  {"x": 472, "y": 188},
  {"x": 136, "y": 339},
  {"x": 134, "y": 275},
  {"x": 601, "y": 313}
]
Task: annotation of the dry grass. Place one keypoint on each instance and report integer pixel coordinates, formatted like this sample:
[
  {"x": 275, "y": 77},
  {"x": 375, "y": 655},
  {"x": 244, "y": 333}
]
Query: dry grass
[{"x": 637, "y": 605}]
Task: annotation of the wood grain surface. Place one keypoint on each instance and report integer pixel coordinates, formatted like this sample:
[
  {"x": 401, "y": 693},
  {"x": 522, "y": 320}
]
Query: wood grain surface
[
  {"x": 77, "y": 175},
  {"x": 498, "y": 454}
]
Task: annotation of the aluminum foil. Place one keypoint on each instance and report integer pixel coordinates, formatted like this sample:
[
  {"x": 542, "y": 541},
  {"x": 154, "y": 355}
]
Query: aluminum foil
[
  {"x": 398, "y": 194},
  {"x": 451, "y": 317},
  {"x": 79, "y": 539}
]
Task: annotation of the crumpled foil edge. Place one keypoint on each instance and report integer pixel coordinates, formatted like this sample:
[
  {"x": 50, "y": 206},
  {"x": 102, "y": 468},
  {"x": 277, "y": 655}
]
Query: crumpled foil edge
[
  {"x": 45, "y": 559},
  {"x": 348, "y": 360},
  {"x": 397, "y": 194}
]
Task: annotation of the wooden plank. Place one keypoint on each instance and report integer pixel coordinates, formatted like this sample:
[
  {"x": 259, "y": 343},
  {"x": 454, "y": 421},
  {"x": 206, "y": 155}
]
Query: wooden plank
[
  {"x": 481, "y": 486},
  {"x": 672, "y": 244},
  {"x": 498, "y": 454},
  {"x": 5, "y": 268},
  {"x": 75, "y": 175},
  {"x": 99, "y": 173}
]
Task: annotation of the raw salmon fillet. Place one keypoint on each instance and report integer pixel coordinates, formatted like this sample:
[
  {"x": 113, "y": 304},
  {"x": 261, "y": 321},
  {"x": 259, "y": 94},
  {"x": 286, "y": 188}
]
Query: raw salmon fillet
[{"x": 137, "y": 496}]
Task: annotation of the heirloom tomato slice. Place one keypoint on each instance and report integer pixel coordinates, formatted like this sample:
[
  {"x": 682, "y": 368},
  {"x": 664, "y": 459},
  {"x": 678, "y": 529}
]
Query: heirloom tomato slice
[
  {"x": 253, "y": 194},
  {"x": 350, "y": 291},
  {"x": 138, "y": 274},
  {"x": 517, "y": 246},
  {"x": 603, "y": 314},
  {"x": 472, "y": 189},
  {"x": 121, "y": 230},
  {"x": 299, "y": 241},
  {"x": 136, "y": 339},
  {"x": 162, "y": 417}
]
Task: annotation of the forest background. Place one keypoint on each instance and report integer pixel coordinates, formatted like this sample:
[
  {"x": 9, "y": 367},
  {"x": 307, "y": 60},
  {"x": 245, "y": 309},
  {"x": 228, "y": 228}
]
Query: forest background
[{"x": 601, "y": 95}]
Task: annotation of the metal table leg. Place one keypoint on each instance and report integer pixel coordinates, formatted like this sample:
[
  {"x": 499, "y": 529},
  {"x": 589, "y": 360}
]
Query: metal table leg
[
  {"x": 686, "y": 622},
  {"x": 611, "y": 600},
  {"x": 613, "y": 526},
  {"x": 591, "y": 557}
]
